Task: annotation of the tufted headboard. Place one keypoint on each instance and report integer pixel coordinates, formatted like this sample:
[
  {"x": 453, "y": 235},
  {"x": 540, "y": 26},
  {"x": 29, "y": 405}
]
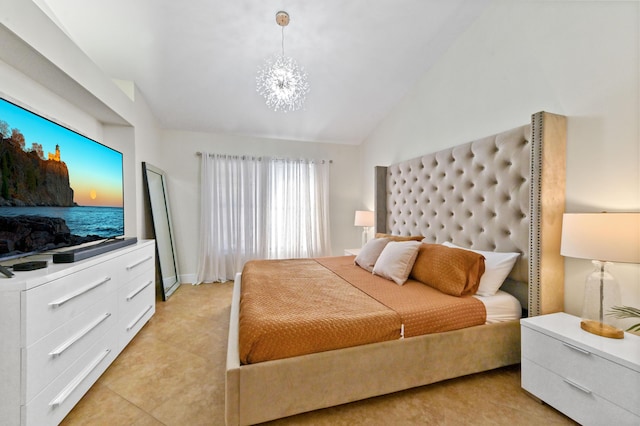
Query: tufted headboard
[{"x": 500, "y": 193}]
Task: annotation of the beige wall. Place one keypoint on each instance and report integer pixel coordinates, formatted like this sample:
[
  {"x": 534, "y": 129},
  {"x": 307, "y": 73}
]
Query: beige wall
[{"x": 577, "y": 58}]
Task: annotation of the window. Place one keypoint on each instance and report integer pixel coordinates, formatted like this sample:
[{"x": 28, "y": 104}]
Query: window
[{"x": 253, "y": 208}]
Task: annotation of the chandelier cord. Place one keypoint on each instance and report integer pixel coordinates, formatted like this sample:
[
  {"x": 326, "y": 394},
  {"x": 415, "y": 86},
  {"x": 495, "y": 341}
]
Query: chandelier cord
[{"x": 282, "y": 41}]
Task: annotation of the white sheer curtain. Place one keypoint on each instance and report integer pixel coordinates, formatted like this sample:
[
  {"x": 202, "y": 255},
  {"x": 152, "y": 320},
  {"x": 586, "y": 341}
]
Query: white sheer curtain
[
  {"x": 254, "y": 208},
  {"x": 233, "y": 191},
  {"x": 299, "y": 209}
]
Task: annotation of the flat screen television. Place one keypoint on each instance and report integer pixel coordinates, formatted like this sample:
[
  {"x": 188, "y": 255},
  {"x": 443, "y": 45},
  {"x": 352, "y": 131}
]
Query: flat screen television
[{"x": 58, "y": 188}]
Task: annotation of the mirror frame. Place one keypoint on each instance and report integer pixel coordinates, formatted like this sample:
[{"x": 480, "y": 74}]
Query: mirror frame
[{"x": 162, "y": 209}]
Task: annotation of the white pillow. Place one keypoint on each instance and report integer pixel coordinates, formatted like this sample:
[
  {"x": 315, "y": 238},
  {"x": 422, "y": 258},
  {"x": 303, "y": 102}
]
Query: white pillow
[
  {"x": 497, "y": 267},
  {"x": 396, "y": 260},
  {"x": 370, "y": 253}
]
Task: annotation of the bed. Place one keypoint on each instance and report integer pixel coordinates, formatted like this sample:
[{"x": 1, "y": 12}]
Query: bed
[{"x": 503, "y": 193}]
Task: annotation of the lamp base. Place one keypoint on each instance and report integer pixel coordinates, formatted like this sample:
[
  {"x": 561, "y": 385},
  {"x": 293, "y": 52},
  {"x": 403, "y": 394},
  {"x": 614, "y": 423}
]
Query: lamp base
[{"x": 601, "y": 329}]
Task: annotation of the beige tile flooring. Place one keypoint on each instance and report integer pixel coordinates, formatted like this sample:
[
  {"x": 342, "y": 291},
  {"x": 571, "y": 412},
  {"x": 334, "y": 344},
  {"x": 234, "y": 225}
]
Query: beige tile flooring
[{"x": 172, "y": 373}]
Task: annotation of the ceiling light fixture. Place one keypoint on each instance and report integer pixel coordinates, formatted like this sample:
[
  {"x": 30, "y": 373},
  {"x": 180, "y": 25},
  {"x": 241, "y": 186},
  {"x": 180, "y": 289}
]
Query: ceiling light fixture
[{"x": 280, "y": 80}]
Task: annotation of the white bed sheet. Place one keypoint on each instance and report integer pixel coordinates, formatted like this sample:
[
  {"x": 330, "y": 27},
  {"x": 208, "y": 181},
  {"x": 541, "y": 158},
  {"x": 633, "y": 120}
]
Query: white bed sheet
[{"x": 501, "y": 307}]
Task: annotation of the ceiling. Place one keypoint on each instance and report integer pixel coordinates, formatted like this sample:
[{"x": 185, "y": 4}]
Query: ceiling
[{"x": 195, "y": 62}]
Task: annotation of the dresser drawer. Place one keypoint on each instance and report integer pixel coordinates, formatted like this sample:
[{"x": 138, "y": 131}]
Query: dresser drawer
[
  {"x": 49, "y": 306},
  {"x": 583, "y": 406},
  {"x": 51, "y": 405},
  {"x": 577, "y": 364},
  {"x": 138, "y": 262},
  {"x": 136, "y": 304},
  {"x": 54, "y": 353}
]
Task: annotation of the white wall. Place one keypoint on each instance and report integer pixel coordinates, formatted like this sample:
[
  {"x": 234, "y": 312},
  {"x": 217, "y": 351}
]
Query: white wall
[
  {"x": 576, "y": 58},
  {"x": 21, "y": 90},
  {"x": 182, "y": 166}
]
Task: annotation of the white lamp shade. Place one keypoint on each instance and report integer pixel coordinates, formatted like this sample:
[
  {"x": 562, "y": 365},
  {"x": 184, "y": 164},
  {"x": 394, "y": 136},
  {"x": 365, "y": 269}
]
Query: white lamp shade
[
  {"x": 364, "y": 218},
  {"x": 613, "y": 237}
]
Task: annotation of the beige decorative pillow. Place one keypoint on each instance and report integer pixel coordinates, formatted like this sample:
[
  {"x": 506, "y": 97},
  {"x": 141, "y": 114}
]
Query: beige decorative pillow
[
  {"x": 453, "y": 271},
  {"x": 370, "y": 253},
  {"x": 396, "y": 260},
  {"x": 400, "y": 237}
]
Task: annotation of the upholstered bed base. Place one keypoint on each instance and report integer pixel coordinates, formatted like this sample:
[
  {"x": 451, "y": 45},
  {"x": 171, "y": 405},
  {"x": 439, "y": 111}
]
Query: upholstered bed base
[{"x": 274, "y": 389}]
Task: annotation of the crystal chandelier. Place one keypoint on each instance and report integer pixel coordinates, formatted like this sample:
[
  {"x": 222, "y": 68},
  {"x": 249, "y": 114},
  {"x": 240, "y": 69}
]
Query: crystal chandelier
[{"x": 280, "y": 80}]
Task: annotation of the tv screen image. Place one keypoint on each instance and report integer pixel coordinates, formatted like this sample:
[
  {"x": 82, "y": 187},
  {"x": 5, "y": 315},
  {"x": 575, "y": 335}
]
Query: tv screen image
[{"x": 58, "y": 188}]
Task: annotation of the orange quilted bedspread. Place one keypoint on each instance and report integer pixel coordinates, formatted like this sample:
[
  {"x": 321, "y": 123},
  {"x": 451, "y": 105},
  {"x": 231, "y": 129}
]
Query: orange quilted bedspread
[
  {"x": 300, "y": 306},
  {"x": 424, "y": 310}
]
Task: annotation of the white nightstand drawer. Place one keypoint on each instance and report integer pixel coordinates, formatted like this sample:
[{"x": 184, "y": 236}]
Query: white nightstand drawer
[
  {"x": 585, "y": 407},
  {"x": 580, "y": 365},
  {"x": 49, "y": 306},
  {"x": 54, "y": 353}
]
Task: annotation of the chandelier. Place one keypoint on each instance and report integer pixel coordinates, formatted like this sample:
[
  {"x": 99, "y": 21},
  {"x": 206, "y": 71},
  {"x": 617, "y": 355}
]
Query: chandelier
[{"x": 280, "y": 80}]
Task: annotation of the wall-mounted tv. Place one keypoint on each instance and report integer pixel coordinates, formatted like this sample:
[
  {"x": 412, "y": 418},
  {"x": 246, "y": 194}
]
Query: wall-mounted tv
[{"x": 57, "y": 187}]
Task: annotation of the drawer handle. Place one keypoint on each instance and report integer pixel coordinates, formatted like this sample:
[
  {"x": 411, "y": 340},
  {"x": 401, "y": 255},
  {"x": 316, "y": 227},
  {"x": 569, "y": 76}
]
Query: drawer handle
[
  {"x": 575, "y": 348},
  {"x": 80, "y": 292},
  {"x": 79, "y": 335},
  {"x": 577, "y": 386},
  {"x": 62, "y": 396},
  {"x": 138, "y": 318},
  {"x": 137, "y": 291},
  {"x": 130, "y": 267}
]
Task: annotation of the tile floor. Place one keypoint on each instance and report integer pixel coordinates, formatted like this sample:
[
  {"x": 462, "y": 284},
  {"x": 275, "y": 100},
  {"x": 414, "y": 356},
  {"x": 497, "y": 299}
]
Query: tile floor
[{"x": 172, "y": 373}]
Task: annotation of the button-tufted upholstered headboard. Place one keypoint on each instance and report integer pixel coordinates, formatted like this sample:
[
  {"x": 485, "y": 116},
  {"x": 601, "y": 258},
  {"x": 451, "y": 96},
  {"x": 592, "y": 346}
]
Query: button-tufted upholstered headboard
[{"x": 500, "y": 193}]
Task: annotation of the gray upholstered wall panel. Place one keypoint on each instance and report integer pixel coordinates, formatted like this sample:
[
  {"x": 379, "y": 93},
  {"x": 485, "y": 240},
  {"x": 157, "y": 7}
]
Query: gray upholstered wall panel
[{"x": 381, "y": 199}]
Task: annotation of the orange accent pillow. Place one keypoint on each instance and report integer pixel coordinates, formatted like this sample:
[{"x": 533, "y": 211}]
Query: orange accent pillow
[
  {"x": 451, "y": 270},
  {"x": 400, "y": 237}
]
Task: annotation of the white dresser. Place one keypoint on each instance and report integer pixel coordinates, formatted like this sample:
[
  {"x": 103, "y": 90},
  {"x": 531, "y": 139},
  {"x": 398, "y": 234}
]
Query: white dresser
[
  {"x": 62, "y": 326},
  {"x": 592, "y": 379}
]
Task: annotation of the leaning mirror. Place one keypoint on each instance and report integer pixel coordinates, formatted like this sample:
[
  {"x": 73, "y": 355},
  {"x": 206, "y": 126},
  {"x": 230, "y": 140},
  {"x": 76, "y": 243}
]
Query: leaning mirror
[{"x": 158, "y": 202}]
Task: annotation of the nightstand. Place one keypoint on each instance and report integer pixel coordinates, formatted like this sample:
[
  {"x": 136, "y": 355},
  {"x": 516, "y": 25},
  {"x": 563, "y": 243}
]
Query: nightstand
[
  {"x": 352, "y": 252},
  {"x": 592, "y": 379}
]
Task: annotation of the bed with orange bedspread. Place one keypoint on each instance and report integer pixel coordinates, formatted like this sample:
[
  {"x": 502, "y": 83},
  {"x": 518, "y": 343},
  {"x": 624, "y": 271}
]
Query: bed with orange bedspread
[{"x": 502, "y": 193}]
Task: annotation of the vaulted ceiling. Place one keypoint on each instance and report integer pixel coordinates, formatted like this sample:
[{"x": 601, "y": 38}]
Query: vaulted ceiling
[{"x": 195, "y": 62}]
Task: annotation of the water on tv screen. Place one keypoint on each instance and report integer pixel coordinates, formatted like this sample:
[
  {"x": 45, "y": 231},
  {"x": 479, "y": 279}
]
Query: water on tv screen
[{"x": 58, "y": 188}]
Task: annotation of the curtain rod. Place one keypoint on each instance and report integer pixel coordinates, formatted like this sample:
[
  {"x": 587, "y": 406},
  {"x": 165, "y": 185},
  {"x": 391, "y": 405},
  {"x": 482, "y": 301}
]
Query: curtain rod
[{"x": 199, "y": 154}]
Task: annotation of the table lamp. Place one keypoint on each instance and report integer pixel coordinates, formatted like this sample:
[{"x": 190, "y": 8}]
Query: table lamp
[
  {"x": 603, "y": 238},
  {"x": 364, "y": 218}
]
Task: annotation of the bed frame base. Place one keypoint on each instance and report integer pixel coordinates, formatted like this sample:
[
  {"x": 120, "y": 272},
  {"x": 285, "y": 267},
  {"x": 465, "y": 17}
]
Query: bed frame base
[{"x": 270, "y": 390}]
